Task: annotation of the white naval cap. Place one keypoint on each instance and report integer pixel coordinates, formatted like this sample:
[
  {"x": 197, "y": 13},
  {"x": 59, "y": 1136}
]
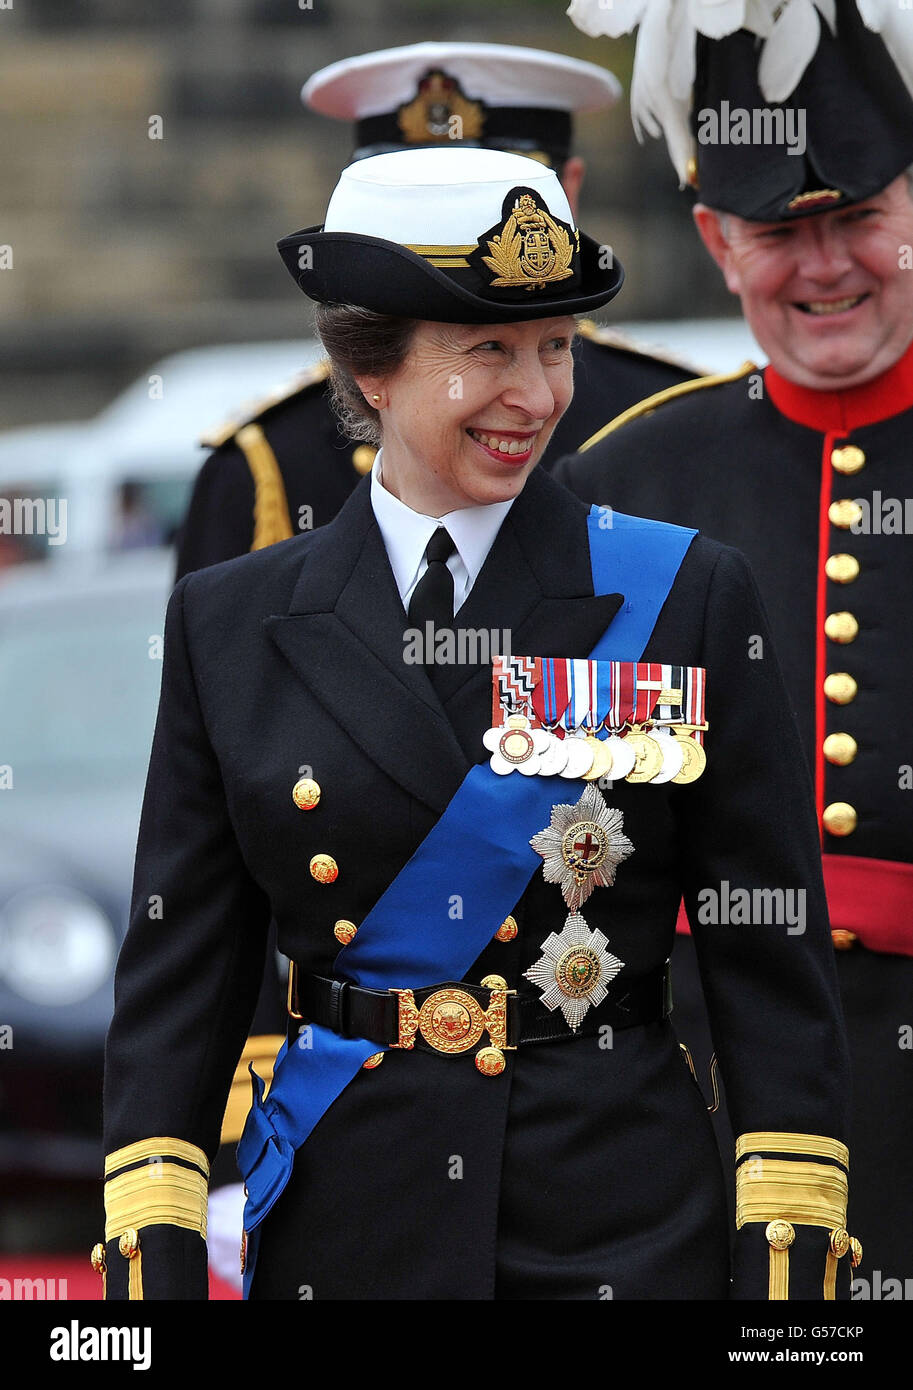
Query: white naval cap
[{"x": 498, "y": 74}]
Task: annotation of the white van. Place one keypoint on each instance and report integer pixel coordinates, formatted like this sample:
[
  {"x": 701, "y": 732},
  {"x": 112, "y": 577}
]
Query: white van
[{"x": 75, "y": 491}]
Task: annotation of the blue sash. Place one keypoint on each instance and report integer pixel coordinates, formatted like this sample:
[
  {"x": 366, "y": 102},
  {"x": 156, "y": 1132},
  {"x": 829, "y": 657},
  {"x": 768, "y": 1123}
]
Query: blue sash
[{"x": 479, "y": 849}]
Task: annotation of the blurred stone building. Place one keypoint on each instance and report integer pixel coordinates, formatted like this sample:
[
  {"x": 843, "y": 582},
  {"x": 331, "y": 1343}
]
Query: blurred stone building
[{"x": 153, "y": 151}]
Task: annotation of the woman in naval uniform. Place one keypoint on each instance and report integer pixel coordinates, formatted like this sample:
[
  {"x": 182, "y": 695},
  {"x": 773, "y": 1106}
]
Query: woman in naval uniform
[{"x": 482, "y": 1095}]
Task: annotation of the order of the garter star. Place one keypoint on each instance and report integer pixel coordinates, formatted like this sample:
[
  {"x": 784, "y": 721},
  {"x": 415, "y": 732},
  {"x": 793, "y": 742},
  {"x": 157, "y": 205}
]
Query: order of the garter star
[{"x": 582, "y": 847}]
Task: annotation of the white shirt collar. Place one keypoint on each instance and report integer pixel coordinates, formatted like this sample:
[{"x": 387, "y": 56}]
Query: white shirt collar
[{"x": 406, "y": 533}]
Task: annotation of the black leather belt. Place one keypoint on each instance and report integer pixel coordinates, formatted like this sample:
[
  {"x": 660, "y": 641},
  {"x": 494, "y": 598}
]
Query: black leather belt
[{"x": 450, "y": 1018}]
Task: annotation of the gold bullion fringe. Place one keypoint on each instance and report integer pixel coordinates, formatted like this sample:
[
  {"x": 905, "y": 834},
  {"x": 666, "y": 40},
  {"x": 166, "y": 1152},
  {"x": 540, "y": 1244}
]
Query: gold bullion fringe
[
  {"x": 160, "y": 1194},
  {"x": 271, "y": 515},
  {"x": 808, "y": 1194},
  {"x": 770, "y": 1141}
]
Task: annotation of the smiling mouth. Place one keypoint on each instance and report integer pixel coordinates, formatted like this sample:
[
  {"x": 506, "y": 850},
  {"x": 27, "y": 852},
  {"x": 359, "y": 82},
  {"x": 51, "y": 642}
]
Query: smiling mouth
[
  {"x": 823, "y": 307},
  {"x": 513, "y": 446}
]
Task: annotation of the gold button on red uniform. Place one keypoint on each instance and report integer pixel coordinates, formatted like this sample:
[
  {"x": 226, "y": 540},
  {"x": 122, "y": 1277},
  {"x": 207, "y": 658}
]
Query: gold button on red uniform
[
  {"x": 839, "y": 818},
  {"x": 840, "y": 687},
  {"x": 847, "y": 460},
  {"x": 844, "y": 513},
  {"x": 841, "y": 627},
  {"x": 842, "y": 569},
  {"x": 840, "y": 749}
]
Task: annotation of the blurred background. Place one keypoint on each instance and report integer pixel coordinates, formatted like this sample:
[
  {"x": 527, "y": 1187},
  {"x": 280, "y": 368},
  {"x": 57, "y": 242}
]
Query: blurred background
[{"x": 151, "y": 157}]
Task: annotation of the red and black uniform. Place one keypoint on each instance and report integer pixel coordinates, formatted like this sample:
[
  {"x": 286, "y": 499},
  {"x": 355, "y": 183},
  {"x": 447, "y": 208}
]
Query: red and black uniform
[{"x": 811, "y": 486}]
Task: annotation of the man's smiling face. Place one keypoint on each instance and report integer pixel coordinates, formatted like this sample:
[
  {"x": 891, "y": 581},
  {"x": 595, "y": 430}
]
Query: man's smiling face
[{"x": 829, "y": 297}]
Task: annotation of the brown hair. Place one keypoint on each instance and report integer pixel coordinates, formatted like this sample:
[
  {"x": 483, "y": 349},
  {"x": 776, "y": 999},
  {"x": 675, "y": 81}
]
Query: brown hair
[{"x": 360, "y": 342}]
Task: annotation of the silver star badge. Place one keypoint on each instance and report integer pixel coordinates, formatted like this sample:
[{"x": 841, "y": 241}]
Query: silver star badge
[
  {"x": 582, "y": 847},
  {"x": 574, "y": 969}
]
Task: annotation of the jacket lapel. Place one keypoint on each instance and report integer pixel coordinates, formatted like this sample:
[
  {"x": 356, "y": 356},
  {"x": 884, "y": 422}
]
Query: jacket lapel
[{"x": 343, "y": 638}]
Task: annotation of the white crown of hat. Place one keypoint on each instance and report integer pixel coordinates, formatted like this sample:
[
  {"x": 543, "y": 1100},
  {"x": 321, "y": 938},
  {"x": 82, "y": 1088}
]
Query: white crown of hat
[
  {"x": 498, "y": 74},
  {"x": 437, "y": 197}
]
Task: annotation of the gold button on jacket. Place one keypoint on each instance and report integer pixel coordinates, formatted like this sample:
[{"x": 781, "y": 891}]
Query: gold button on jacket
[
  {"x": 848, "y": 460},
  {"x": 839, "y": 818},
  {"x": 845, "y": 512},
  {"x": 842, "y": 569},
  {"x": 841, "y": 627},
  {"x": 840, "y": 687},
  {"x": 363, "y": 457},
  {"x": 306, "y": 793},
  {"x": 324, "y": 868},
  {"x": 840, "y": 749}
]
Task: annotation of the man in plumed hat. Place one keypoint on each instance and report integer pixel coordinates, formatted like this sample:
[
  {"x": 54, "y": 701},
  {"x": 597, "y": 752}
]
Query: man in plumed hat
[
  {"x": 798, "y": 140},
  {"x": 289, "y": 454}
]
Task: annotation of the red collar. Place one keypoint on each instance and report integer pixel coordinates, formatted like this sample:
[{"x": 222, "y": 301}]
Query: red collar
[{"x": 839, "y": 412}]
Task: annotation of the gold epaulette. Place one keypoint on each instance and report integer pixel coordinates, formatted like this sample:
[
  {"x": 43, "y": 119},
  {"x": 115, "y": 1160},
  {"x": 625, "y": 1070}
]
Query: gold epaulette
[
  {"x": 254, "y": 411},
  {"x": 272, "y": 522},
  {"x": 806, "y": 1187},
  {"x": 607, "y": 336},
  {"x": 153, "y": 1182},
  {"x": 261, "y": 1051},
  {"x": 669, "y": 393}
]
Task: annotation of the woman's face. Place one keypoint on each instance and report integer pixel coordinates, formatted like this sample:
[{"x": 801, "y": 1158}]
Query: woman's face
[{"x": 468, "y": 415}]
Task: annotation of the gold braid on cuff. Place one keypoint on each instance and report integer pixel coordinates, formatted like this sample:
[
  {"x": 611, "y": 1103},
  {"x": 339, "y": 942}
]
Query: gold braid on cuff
[
  {"x": 145, "y": 1187},
  {"x": 793, "y": 1191}
]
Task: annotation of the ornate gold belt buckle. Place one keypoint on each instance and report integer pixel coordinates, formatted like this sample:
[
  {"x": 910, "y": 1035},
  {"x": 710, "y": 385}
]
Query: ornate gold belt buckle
[{"x": 451, "y": 1021}]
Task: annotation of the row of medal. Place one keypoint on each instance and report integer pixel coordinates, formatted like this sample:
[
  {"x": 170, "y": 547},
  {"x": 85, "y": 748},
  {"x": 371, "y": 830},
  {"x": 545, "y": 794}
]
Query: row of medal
[{"x": 632, "y": 721}]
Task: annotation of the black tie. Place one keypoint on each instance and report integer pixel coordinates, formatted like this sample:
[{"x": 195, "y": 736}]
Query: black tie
[{"x": 432, "y": 598}]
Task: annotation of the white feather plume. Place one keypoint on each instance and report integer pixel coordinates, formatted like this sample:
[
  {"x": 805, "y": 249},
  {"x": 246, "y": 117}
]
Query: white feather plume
[
  {"x": 895, "y": 25},
  {"x": 668, "y": 29}
]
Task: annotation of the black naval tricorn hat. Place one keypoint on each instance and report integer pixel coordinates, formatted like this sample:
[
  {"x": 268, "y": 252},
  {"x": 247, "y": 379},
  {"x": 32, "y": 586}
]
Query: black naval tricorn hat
[
  {"x": 459, "y": 235},
  {"x": 852, "y": 105}
]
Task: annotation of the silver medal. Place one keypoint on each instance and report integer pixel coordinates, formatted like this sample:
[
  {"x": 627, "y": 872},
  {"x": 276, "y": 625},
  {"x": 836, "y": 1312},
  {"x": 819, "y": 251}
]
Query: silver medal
[
  {"x": 579, "y": 757},
  {"x": 554, "y": 758},
  {"x": 673, "y": 755},
  {"x": 574, "y": 969}
]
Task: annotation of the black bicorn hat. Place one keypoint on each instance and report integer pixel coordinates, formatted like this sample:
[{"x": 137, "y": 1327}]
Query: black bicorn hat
[
  {"x": 771, "y": 109},
  {"x": 842, "y": 136},
  {"x": 458, "y": 235}
]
